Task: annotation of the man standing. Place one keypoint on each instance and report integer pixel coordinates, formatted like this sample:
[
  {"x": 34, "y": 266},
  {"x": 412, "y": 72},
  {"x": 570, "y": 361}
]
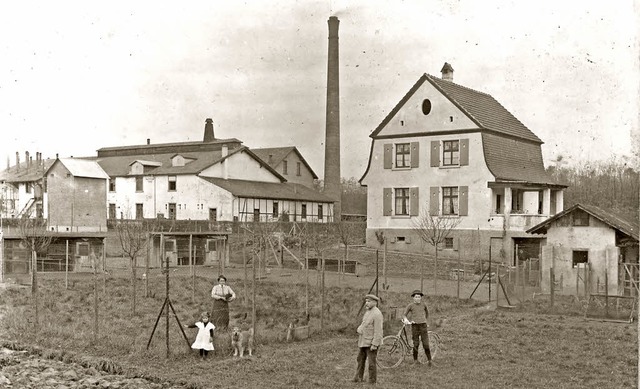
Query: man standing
[
  {"x": 370, "y": 338},
  {"x": 419, "y": 314}
]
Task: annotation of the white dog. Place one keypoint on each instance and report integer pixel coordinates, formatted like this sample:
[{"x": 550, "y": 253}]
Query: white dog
[{"x": 241, "y": 340}]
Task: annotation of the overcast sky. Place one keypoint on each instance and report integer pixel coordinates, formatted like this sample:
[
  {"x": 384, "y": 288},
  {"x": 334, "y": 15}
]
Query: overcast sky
[{"x": 78, "y": 76}]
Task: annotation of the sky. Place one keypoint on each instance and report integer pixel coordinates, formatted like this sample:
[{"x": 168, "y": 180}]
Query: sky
[{"x": 76, "y": 76}]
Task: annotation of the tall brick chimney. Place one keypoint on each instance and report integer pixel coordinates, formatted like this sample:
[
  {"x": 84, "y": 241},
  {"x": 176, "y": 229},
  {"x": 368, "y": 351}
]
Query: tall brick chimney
[
  {"x": 332, "y": 135},
  {"x": 208, "y": 131}
]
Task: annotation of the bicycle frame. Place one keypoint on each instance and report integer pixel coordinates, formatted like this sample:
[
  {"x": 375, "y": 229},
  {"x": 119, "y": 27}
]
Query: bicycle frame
[{"x": 395, "y": 348}]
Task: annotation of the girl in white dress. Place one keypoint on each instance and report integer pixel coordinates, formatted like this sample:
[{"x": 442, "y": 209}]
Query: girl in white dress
[{"x": 204, "y": 338}]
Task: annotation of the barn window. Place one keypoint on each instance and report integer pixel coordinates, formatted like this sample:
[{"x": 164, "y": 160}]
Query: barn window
[
  {"x": 580, "y": 257},
  {"x": 448, "y": 243}
]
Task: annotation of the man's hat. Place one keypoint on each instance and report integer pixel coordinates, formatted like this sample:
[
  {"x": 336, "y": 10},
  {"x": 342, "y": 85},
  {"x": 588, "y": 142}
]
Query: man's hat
[
  {"x": 415, "y": 292},
  {"x": 372, "y": 297}
]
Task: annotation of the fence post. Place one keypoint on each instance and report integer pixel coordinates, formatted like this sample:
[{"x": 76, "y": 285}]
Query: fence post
[
  {"x": 66, "y": 265},
  {"x": 552, "y": 279},
  {"x": 458, "y": 272}
]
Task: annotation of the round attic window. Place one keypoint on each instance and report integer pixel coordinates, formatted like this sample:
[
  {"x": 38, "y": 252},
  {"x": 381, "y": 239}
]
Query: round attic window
[{"x": 426, "y": 106}]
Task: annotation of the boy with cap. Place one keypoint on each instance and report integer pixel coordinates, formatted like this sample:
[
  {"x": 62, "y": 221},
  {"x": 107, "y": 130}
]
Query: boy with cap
[
  {"x": 419, "y": 314},
  {"x": 370, "y": 338}
]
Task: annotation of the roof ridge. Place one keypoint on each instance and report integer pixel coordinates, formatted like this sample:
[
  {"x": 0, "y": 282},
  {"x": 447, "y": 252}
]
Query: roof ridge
[{"x": 458, "y": 85}]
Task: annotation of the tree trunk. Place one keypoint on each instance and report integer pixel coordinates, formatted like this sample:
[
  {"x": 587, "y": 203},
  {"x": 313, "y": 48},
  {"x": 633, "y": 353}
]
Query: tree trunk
[
  {"x": 95, "y": 299},
  {"x": 435, "y": 273}
]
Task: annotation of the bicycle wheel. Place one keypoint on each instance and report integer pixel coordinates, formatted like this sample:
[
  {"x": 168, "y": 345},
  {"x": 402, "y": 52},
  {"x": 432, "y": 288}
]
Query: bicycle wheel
[
  {"x": 390, "y": 352},
  {"x": 434, "y": 343}
]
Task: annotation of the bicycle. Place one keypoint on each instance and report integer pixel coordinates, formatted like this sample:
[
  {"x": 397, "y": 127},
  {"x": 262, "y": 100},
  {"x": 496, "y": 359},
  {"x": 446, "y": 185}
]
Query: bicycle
[{"x": 394, "y": 348}]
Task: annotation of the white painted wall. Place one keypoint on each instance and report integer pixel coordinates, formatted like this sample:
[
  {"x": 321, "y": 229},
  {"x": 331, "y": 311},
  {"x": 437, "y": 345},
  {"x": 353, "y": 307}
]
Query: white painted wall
[
  {"x": 305, "y": 177},
  {"x": 475, "y": 176},
  {"x": 241, "y": 167}
]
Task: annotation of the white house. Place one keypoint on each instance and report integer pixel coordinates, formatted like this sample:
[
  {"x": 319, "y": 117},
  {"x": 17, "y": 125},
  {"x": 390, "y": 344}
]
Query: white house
[{"x": 454, "y": 152}]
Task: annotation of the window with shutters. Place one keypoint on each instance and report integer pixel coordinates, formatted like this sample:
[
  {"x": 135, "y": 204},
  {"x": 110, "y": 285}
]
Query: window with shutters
[
  {"x": 403, "y": 155},
  {"x": 450, "y": 153},
  {"x": 450, "y": 200},
  {"x": 402, "y": 201}
]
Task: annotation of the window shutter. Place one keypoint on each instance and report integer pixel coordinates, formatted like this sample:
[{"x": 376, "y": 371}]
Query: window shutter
[
  {"x": 386, "y": 202},
  {"x": 456, "y": 243},
  {"x": 463, "y": 201},
  {"x": 434, "y": 201},
  {"x": 464, "y": 152},
  {"x": 415, "y": 154},
  {"x": 388, "y": 155},
  {"x": 414, "y": 202},
  {"x": 435, "y": 153}
]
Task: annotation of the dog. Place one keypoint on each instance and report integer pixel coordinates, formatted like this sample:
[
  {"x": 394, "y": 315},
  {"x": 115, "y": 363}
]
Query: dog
[{"x": 242, "y": 340}]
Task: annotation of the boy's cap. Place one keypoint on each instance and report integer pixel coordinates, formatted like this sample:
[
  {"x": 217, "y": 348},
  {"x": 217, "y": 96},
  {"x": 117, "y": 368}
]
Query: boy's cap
[
  {"x": 415, "y": 292},
  {"x": 372, "y": 297}
]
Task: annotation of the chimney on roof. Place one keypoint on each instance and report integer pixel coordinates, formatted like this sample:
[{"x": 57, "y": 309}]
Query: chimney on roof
[
  {"x": 26, "y": 159},
  {"x": 447, "y": 72},
  {"x": 17, "y": 160},
  {"x": 8, "y": 162},
  {"x": 148, "y": 141},
  {"x": 208, "y": 131}
]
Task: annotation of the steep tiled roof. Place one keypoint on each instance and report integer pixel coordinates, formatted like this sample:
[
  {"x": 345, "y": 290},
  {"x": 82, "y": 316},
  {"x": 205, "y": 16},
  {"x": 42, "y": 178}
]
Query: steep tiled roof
[
  {"x": 480, "y": 107},
  {"x": 21, "y": 174},
  {"x": 512, "y": 159},
  {"x": 269, "y": 190},
  {"x": 620, "y": 223},
  {"x": 278, "y": 154},
  {"x": 84, "y": 168}
]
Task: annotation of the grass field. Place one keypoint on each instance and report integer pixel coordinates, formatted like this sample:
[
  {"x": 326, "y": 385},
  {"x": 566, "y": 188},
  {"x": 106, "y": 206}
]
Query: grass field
[{"x": 484, "y": 348}]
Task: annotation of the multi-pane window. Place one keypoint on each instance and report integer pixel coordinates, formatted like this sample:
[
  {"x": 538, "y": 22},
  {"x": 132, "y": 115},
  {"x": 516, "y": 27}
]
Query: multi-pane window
[
  {"x": 403, "y": 155},
  {"x": 304, "y": 211},
  {"x": 298, "y": 168},
  {"x": 275, "y": 209},
  {"x": 580, "y": 218},
  {"x": 450, "y": 200},
  {"x": 112, "y": 211},
  {"x": 172, "y": 183},
  {"x": 448, "y": 243},
  {"x": 139, "y": 181},
  {"x": 139, "y": 210},
  {"x": 112, "y": 184},
  {"x": 402, "y": 201},
  {"x": 320, "y": 215},
  {"x": 450, "y": 152},
  {"x": 285, "y": 167}
]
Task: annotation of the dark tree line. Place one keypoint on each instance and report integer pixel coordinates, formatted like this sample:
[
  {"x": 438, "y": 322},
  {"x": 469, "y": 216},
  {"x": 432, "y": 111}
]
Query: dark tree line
[{"x": 611, "y": 185}]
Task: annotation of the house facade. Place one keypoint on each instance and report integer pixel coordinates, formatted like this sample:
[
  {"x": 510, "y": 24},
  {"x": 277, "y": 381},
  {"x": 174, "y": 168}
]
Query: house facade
[
  {"x": 452, "y": 152},
  {"x": 590, "y": 249},
  {"x": 289, "y": 162}
]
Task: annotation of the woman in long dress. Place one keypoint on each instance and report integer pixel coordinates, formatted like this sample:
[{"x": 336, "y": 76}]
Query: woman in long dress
[{"x": 222, "y": 294}]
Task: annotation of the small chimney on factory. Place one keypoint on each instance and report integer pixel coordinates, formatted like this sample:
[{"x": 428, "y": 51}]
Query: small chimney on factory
[
  {"x": 447, "y": 72},
  {"x": 208, "y": 131},
  {"x": 17, "y": 160}
]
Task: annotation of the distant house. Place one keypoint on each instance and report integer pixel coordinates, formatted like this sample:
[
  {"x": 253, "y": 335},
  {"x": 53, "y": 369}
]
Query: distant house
[
  {"x": 214, "y": 180},
  {"x": 457, "y": 153},
  {"x": 587, "y": 237},
  {"x": 289, "y": 162},
  {"x": 23, "y": 189}
]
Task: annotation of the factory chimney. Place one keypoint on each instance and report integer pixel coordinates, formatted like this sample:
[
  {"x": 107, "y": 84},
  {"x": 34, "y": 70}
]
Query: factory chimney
[{"x": 332, "y": 136}]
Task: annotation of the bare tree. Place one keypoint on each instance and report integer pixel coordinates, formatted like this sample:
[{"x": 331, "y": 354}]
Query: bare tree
[
  {"x": 348, "y": 233},
  {"x": 133, "y": 236},
  {"x": 36, "y": 239},
  {"x": 433, "y": 230}
]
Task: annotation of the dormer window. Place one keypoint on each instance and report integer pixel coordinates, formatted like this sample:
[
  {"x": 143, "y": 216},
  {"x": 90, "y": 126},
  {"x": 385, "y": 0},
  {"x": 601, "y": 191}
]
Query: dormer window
[{"x": 177, "y": 160}]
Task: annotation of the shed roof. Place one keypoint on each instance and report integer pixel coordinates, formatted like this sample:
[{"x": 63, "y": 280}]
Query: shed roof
[
  {"x": 620, "y": 223},
  {"x": 83, "y": 168},
  {"x": 269, "y": 190}
]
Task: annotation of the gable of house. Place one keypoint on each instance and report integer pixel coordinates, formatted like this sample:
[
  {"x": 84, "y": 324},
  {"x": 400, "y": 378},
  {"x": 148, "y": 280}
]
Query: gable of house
[{"x": 276, "y": 157}]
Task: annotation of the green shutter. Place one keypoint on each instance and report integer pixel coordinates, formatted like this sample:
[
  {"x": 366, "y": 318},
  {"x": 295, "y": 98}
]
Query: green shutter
[
  {"x": 415, "y": 154},
  {"x": 414, "y": 201},
  {"x": 386, "y": 202},
  {"x": 464, "y": 152},
  {"x": 434, "y": 200},
  {"x": 388, "y": 155},
  {"x": 435, "y": 153},
  {"x": 463, "y": 200}
]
